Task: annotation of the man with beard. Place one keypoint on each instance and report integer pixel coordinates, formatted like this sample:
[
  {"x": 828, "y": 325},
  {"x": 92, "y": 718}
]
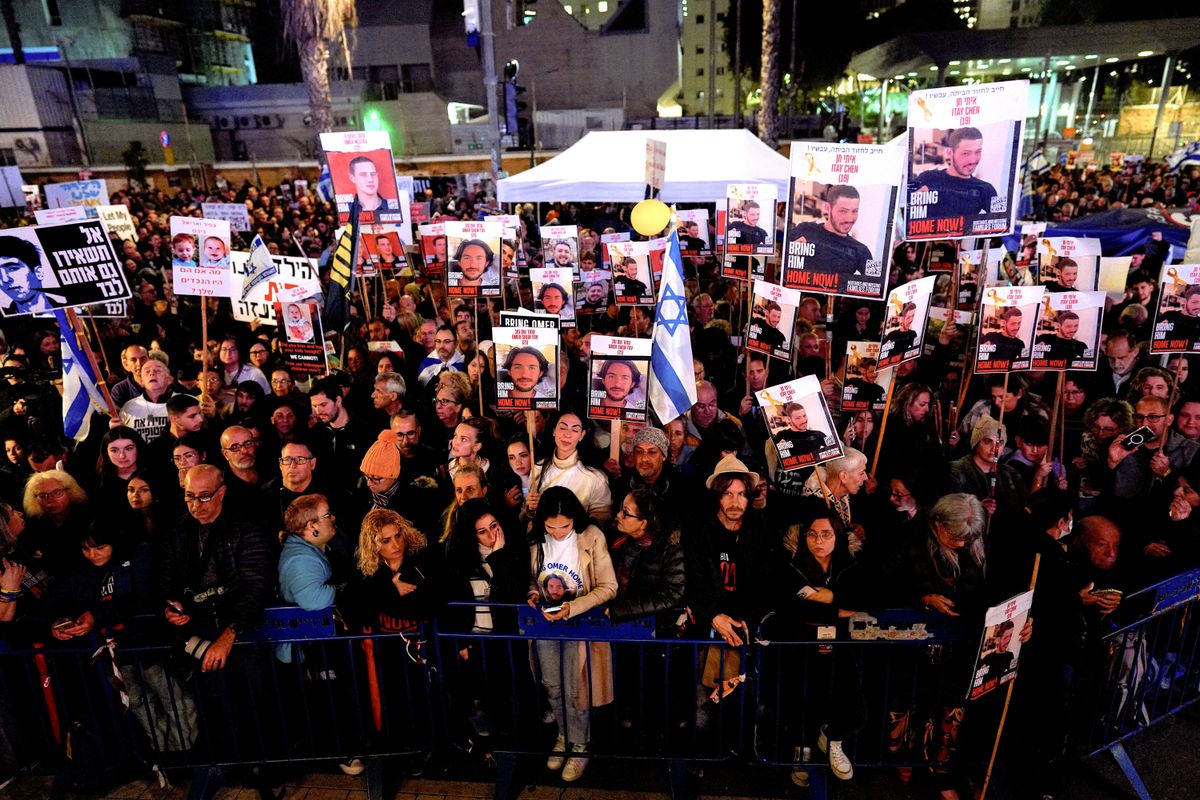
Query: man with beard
[
  {"x": 765, "y": 329},
  {"x": 745, "y": 231},
  {"x": 959, "y": 192},
  {"x": 865, "y": 389},
  {"x": 524, "y": 368},
  {"x": 475, "y": 260},
  {"x": 628, "y": 287},
  {"x": 1068, "y": 274},
  {"x": 619, "y": 379},
  {"x": 1062, "y": 344},
  {"x": 1006, "y": 343},
  {"x": 560, "y": 253},
  {"x": 836, "y": 251},
  {"x": 796, "y": 440},
  {"x": 1182, "y": 322},
  {"x": 902, "y": 339},
  {"x": 595, "y": 298},
  {"x": 652, "y": 469}
]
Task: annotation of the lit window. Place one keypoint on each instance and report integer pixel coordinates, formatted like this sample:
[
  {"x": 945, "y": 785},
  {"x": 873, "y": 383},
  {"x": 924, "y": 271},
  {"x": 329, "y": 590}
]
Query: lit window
[
  {"x": 602, "y": 6},
  {"x": 569, "y": 10}
]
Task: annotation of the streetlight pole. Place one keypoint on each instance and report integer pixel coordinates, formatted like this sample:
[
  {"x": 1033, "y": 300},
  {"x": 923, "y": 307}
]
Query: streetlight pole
[
  {"x": 487, "y": 38},
  {"x": 87, "y": 148}
]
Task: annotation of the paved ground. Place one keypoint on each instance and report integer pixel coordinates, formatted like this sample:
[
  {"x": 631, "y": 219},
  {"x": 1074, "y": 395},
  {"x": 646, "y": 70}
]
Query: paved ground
[{"x": 1168, "y": 757}]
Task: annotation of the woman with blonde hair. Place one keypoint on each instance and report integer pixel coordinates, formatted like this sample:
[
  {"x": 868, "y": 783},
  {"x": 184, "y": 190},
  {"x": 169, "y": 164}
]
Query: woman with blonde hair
[
  {"x": 398, "y": 589},
  {"x": 56, "y": 508}
]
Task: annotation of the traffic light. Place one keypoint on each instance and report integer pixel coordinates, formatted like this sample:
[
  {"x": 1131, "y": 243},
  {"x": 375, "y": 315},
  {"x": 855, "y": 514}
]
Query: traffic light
[{"x": 518, "y": 117}]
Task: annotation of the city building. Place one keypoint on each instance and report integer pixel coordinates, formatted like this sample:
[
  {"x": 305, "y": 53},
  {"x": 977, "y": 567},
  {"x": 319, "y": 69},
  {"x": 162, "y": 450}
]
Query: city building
[{"x": 1009, "y": 14}]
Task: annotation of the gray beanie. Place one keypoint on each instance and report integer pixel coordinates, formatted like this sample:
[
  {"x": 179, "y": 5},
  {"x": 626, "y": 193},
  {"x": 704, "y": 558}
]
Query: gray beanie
[{"x": 655, "y": 437}]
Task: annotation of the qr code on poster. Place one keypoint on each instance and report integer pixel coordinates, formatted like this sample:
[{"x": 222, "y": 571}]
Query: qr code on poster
[
  {"x": 874, "y": 269},
  {"x": 999, "y": 205}
]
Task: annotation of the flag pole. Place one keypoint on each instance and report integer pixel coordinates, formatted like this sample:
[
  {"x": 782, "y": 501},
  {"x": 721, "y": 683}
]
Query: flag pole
[
  {"x": 887, "y": 407},
  {"x": 203, "y": 348},
  {"x": 101, "y": 383},
  {"x": 99, "y": 344}
]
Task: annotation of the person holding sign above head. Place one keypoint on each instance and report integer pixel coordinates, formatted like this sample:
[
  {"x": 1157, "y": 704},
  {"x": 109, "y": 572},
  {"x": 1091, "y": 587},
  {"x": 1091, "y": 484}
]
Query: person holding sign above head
[
  {"x": 1062, "y": 344},
  {"x": 524, "y": 367},
  {"x": 620, "y": 379},
  {"x": 836, "y": 249},
  {"x": 364, "y": 175},
  {"x": 21, "y": 278},
  {"x": 476, "y": 261},
  {"x": 1068, "y": 274},
  {"x": 1007, "y": 342},
  {"x": 627, "y": 284},
  {"x": 903, "y": 338},
  {"x": 746, "y": 230},
  {"x": 796, "y": 439},
  {"x": 1184, "y": 320},
  {"x": 958, "y": 192}
]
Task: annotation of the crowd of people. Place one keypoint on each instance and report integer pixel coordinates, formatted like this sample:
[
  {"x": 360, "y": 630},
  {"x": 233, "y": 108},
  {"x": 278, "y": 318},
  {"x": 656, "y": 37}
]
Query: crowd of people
[
  {"x": 394, "y": 485},
  {"x": 1061, "y": 194}
]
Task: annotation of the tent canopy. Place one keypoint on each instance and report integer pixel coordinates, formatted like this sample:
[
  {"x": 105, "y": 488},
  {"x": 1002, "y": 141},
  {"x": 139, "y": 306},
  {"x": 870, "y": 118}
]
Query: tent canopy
[{"x": 610, "y": 166}]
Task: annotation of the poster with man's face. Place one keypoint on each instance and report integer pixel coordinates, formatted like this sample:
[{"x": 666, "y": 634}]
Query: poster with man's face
[
  {"x": 772, "y": 320},
  {"x": 58, "y": 266},
  {"x": 1068, "y": 264},
  {"x": 1000, "y": 645},
  {"x": 1068, "y": 331},
  {"x": 750, "y": 219},
  {"x": 1031, "y": 232},
  {"x": 632, "y": 281},
  {"x": 553, "y": 293},
  {"x": 383, "y": 248},
  {"x": 693, "y": 232},
  {"x": 474, "y": 265},
  {"x": 433, "y": 249},
  {"x": 799, "y": 423},
  {"x": 605, "y": 240},
  {"x": 864, "y": 387},
  {"x": 620, "y": 376},
  {"x": 527, "y": 364},
  {"x": 904, "y": 325},
  {"x": 361, "y": 165},
  {"x": 1007, "y": 324},
  {"x": 1177, "y": 319},
  {"x": 560, "y": 247},
  {"x": 841, "y": 209},
  {"x": 593, "y": 291},
  {"x": 950, "y": 331},
  {"x": 964, "y": 145},
  {"x": 510, "y": 243},
  {"x": 744, "y": 268}
]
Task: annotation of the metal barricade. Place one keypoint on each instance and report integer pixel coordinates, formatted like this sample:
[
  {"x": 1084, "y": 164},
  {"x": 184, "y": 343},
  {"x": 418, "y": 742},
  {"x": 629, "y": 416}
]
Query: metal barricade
[
  {"x": 1142, "y": 668},
  {"x": 644, "y": 697}
]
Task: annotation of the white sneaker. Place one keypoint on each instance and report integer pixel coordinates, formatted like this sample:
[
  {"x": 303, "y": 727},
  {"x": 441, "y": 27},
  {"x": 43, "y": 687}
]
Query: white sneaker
[
  {"x": 839, "y": 763},
  {"x": 573, "y": 771},
  {"x": 353, "y": 766},
  {"x": 555, "y": 761}
]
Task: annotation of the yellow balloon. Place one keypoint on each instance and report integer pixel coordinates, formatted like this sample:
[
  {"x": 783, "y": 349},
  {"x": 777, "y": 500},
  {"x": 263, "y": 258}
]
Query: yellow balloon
[{"x": 649, "y": 217}]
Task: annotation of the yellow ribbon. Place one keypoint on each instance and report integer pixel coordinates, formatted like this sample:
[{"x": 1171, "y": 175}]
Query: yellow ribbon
[
  {"x": 897, "y": 302},
  {"x": 996, "y": 301},
  {"x": 1046, "y": 302},
  {"x": 812, "y": 164},
  {"x": 925, "y": 108},
  {"x": 1050, "y": 248},
  {"x": 1175, "y": 279}
]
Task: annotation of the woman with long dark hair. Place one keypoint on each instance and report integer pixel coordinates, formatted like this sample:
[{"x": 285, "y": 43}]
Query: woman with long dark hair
[
  {"x": 562, "y": 466},
  {"x": 122, "y": 455},
  {"x": 912, "y": 436}
]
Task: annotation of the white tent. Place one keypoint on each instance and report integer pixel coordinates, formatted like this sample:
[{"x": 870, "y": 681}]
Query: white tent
[{"x": 610, "y": 166}]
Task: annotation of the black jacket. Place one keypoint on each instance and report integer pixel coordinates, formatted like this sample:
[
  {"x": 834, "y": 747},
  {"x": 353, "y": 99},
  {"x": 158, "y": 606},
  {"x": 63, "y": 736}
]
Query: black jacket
[
  {"x": 651, "y": 579},
  {"x": 727, "y": 572}
]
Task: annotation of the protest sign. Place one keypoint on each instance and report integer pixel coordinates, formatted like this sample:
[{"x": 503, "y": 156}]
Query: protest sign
[
  {"x": 404, "y": 195},
  {"x": 510, "y": 242},
  {"x": 1114, "y": 274},
  {"x": 1000, "y": 645},
  {"x": 750, "y": 219},
  {"x": 118, "y": 222},
  {"x": 948, "y": 333},
  {"x": 560, "y": 247},
  {"x": 941, "y": 256},
  {"x": 841, "y": 210},
  {"x": 620, "y": 377},
  {"x": 904, "y": 326},
  {"x": 632, "y": 281},
  {"x": 85, "y": 194},
  {"x": 474, "y": 267},
  {"x": 1068, "y": 331},
  {"x": 58, "y": 266},
  {"x": 381, "y": 246},
  {"x": 1177, "y": 319},
  {"x": 1006, "y": 328},
  {"x": 12, "y": 194},
  {"x": 799, "y": 423},
  {"x": 526, "y": 361},
  {"x": 744, "y": 268},
  {"x": 53, "y": 216},
  {"x": 693, "y": 232},
  {"x": 553, "y": 293},
  {"x": 433, "y": 249},
  {"x": 1068, "y": 264},
  {"x": 295, "y": 281},
  {"x": 772, "y": 320},
  {"x": 200, "y": 257},
  {"x": 361, "y": 165},
  {"x": 605, "y": 240},
  {"x": 234, "y": 213},
  {"x": 864, "y": 387},
  {"x": 964, "y": 147},
  {"x": 303, "y": 344},
  {"x": 1027, "y": 250},
  {"x": 593, "y": 291}
]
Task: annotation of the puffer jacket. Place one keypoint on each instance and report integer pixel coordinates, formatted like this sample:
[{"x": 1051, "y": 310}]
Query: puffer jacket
[{"x": 656, "y": 577}]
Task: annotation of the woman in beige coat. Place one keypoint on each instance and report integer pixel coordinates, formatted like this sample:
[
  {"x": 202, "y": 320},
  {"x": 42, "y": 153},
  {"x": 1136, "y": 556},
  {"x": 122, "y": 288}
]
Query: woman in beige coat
[{"x": 572, "y": 574}]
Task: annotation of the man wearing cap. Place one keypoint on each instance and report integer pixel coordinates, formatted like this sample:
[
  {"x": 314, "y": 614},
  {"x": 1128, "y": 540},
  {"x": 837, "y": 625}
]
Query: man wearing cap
[
  {"x": 998, "y": 486},
  {"x": 380, "y": 486},
  {"x": 729, "y": 555},
  {"x": 652, "y": 469}
]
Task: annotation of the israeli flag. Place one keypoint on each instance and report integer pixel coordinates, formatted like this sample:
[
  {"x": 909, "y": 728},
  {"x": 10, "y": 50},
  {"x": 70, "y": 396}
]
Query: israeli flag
[
  {"x": 262, "y": 266},
  {"x": 79, "y": 383},
  {"x": 672, "y": 381},
  {"x": 1184, "y": 157}
]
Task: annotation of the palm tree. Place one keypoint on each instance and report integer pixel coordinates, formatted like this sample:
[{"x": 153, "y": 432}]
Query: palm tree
[
  {"x": 768, "y": 112},
  {"x": 312, "y": 25}
]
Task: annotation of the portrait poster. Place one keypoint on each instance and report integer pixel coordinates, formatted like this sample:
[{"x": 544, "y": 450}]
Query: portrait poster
[
  {"x": 1007, "y": 322},
  {"x": 750, "y": 219},
  {"x": 1177, "y": 318},
  {"x": 200, "y": 257},
  {"x": 963, "y": 159},
  {"x": 904, "y": 326},
  {"x": 864, "y": 386},
  {"x": 841, "y": 212},
  {"x": 526, "y": 356},
  {"x": 941, "y": 256},
  {"x": 1000, "y": 645},
  {"x": 1068, "y": 264},
  {"x": 772, "y": 320},
  {"x": 474, "y": 266},
  {"x": 799, "y": 423},
  {"x": 1068, "y": 331},
  {"x": 303, "y": 344},
  {"x": 118, "y": 222},
  {"x": 694, "y": 237},
  {"x": 295, "y": 280},
  {"x": 620, "y": 378},
  {"x": 974, "y": 267},
  {"x": 510, "y": 243},
  {"x": 553, "y": 293},
  {"x": 1027, "y": 250},
  {"x": 633, "y": 284},
  {"x": 58, "y": 266},
  {"x": 433, "y": 249},
  {"x": 949, "y": 330},
  {"x": 744, "y": 268},
  {"x": 593, "y": 291},
  {"x": 361, "y": 165},
  {"x": 382, "y": 247},
  {"x": 560, "y": 247}
]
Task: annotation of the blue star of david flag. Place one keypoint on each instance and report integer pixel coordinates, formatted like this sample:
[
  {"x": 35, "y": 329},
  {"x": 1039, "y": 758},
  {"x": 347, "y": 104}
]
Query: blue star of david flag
[
  {"x": 79, "y": 383},
  {"x": 672, "y": 381}
]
